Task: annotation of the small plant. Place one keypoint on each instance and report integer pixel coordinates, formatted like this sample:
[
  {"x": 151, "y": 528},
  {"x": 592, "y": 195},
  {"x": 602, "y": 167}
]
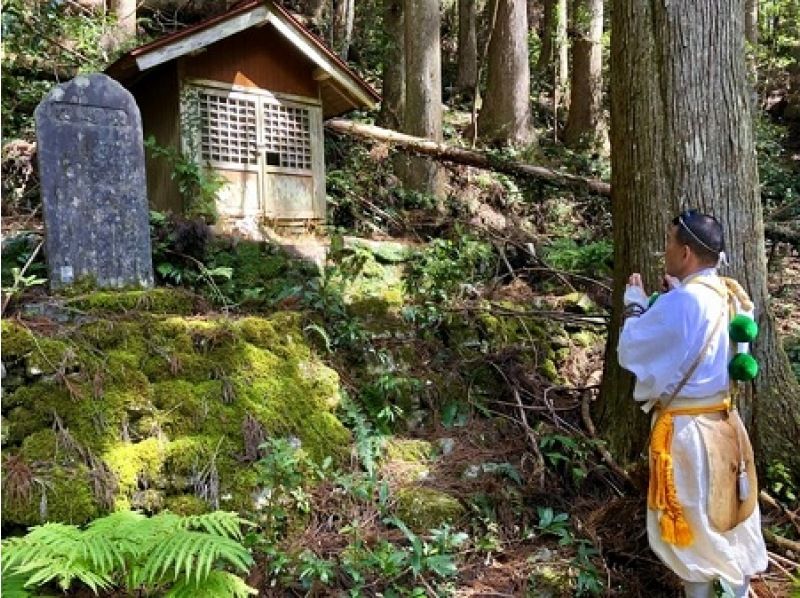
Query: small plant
[
  {"x": 591, "y": 257},
  {"x": 166, "y": 554},
  {"x": 555, "y": 524},
  {"x": 197, "y": 184}
]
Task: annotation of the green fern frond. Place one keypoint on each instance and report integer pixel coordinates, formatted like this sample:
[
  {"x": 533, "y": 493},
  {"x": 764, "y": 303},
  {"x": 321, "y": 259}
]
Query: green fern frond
[
  {"x": 218, "y": 523},
  {"x": 218, "y": 584},
  {"x": 13, "y": 586},
  {"x": 188, "y": 554}
]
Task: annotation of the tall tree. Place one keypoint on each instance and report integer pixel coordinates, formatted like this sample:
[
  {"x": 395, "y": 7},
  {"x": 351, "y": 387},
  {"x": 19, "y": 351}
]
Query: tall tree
[
  {"x": 585, "y": 126},
  {"x": 544, "y": 63},
  {"x": 669, "y": 151},
  {"x": 314, "y": 10},
  {"x": 751, "y": 21},
  {"x": 394, "y": 67},
  {"x": 423, "y": 106},
  {"x": 343, "y": 19},
  {"x": 506, "y": 113},
  {"x": 125, "y": 13},
  {"x": 561, "y": 82},
  {"x": 467, "y": 76}
]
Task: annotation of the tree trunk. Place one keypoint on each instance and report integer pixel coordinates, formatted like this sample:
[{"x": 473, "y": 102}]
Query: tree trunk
[
  {"x": 125, "y": 12},
  {"x": 423, "y": 110},
  {"x": 670, "y": 152},
  {"x": 585, "y": 127},
  {"x": 459, "y": 155},
  {"x": 506, "y": 113},
  {"x": 467, "y": 46},
  {"x": 561, "y": 83},
  {"x": 544, "y": 64},
  {"x": 394, "y": 72},
  {"x": 751, "y": 21},
  {"x": 314, "y": 10},
  {"x": 343, "y": 26}
]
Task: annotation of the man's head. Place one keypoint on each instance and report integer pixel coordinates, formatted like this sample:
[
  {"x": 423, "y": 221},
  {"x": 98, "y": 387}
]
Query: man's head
[{"x": 694, "y": 242}]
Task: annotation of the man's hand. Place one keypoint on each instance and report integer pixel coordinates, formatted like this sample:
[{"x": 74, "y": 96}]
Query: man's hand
[{"x": 635, "y": 299}]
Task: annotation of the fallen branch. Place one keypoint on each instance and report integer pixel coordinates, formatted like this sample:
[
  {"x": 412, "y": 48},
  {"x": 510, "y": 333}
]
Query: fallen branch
[
  {"x": 604, "y": 452},
  {"x": 459, "y": 155},
  {"x": 780, "y": 541},
  {"x": 782, "y": 234}
]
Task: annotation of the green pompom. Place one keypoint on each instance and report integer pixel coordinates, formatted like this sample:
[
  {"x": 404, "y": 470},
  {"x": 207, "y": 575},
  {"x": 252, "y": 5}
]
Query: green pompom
[
  {"x": 743, "y": 329},
  {"x": 743, "y": 367},
  {"x": 652, "y": 299}
]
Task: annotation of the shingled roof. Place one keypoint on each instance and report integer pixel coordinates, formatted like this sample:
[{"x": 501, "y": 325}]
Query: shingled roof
[{"x": 342, "y": 89}]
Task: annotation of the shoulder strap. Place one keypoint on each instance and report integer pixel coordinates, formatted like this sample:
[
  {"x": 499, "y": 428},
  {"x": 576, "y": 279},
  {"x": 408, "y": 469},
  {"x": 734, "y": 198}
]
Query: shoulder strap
[{"x": 699, "y": 357}]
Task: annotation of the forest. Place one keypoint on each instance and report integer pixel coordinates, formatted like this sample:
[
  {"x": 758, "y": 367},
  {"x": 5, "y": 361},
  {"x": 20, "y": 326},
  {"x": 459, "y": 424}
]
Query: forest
[{"x": 373, "y": 349}]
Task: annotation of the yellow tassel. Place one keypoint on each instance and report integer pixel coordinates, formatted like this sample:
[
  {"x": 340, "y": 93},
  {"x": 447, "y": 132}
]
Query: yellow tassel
[
  {"x": 667, "y": 526},
  {"x": 683, "y": 533}
]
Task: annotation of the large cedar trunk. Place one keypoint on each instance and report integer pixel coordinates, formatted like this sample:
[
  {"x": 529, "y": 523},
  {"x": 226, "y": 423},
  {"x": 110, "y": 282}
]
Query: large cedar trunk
[
  {"x": 561, "y": 82},
  {"x": 669, "y": 63},
  {"x": 423, "y": 109},
  {"x": 751, "y": 21},
  {"x": 467, "y": 46},
  {"x": 505, "y": 115},
  {"x": 544, "y": 63},
  {"x": 394, "y": 73},
  {"x": 343, "y": 19},
  {"x": 585, "y": 126}
]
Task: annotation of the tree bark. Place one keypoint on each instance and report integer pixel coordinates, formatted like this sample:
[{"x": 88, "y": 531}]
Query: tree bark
[
  {"x": 467, "y": 46},
  {"x": 423, "y": 109},
  {"x": 314, "y": 9},
  {"x": 343, "y": 26},
  {"x": 394, "y": 71},
  {"x": 585, "y": 127},
  {"x": 125, "y": 12},
  {"x": 459, "y": 155},
  {"x": 506, "y": 114},
  {"x": 544, "y": 63},
  {"x": 751, "y": 21},
  {"x": 561, "y": 83},
  {"x": 669, "y": 62}
]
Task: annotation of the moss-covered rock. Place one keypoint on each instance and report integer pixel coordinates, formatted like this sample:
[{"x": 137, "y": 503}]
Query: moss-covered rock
[
  {"x": 157, "y": 301},
  {"x": 423, "y": 509},
  {"x": 163, "y": 401},
  {"x": 406, "y": 460},
  {"x": 61, "y": 494}
]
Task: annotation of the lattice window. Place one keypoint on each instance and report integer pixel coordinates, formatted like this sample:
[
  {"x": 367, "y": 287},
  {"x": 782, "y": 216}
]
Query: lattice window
[
  {"x": 287, "y": 136},
  {"x": 229, "y": 129}
]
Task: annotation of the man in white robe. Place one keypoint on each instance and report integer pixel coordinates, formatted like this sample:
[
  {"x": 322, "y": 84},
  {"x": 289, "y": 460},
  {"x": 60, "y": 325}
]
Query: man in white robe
[{"x": 660, "y": 344}]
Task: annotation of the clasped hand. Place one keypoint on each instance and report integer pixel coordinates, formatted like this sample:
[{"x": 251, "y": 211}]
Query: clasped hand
[{"x": 635, "y": 293}]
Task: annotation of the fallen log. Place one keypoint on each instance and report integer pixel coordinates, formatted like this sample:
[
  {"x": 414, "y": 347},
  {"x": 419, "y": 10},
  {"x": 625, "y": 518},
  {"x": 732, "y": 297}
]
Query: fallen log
[
  {"x": 460, "y": 155},
  {"x": 478, "y": 159}
]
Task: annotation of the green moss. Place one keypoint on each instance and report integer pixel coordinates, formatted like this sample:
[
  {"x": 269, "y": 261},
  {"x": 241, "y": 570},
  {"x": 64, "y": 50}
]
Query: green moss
[
  {"x": 158, "y": 301},
  {"x": 40, "y": 446},
  {"x": 128, "y": 461},
  {"x": 549, "y": 370},
  {"x": 224, "y": 371},
  {"x": 548, "y": 582},
  {"x": 584, "y": 338},
  {"x": 424, "y": 509},
  {"x": 408, "y": 449},
  {"x": 68, "y": 499},
  {"x": 17, "y": 341},
  {"x": 186, "y": 504}
]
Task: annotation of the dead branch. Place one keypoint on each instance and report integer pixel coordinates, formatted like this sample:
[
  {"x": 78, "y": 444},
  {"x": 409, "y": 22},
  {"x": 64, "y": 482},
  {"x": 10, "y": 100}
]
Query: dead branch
[
  {"x": 604, "y": 452},
  {"x": 458, "y": 155},
  {"x": 780, "y": 541}
]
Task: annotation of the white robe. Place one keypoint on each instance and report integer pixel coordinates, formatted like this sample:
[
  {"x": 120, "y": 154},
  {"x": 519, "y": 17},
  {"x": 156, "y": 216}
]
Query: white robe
[{"x": 659, "y": 348}]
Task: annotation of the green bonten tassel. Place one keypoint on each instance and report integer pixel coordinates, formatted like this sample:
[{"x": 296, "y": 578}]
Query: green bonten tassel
[
  {"x": 743, "y": 367},
  {"x": 743, "y": 329},
  {"x": 652, "y": 299}
]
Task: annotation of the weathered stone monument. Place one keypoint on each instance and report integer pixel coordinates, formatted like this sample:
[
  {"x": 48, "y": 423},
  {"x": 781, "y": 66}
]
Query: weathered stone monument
[{"x": 94, "y": 193}]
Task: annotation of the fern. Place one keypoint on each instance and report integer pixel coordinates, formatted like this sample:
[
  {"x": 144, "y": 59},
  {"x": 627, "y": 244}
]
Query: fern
[
  {"x": 218, "y": 583},
  {"x": 130, "y": 550}
]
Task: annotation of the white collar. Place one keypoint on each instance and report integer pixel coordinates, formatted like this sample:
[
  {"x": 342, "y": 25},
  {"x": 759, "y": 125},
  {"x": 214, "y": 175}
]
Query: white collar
[{"x": 701, "y": 272}]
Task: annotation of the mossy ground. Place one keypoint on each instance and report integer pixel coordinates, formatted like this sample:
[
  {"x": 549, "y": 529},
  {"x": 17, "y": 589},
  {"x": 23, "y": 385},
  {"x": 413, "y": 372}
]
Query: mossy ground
[{"x": 158, "y": 399}]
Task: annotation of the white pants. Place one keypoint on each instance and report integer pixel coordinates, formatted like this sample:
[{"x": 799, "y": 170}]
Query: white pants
[{"x": 705, "y": 589}]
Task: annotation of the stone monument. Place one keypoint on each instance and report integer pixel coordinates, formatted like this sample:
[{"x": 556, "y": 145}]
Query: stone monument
[{"x": 94, "y": 192}]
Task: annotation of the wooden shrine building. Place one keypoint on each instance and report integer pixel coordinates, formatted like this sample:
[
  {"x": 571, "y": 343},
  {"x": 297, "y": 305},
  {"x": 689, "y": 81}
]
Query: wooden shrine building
[{"x": 245, "y": 93}]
